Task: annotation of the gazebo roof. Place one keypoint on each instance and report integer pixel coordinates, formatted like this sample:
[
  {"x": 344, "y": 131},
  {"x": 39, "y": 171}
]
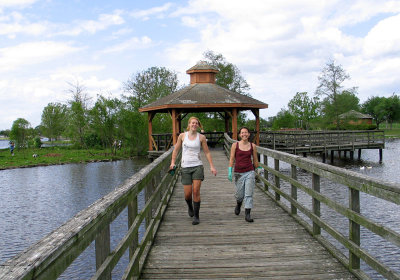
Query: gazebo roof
[{"x": 203, "y": 95}]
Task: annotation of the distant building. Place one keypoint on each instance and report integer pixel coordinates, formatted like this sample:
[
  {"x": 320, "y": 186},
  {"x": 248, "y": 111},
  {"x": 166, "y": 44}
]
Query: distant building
[{"x": 355, "y": 118}]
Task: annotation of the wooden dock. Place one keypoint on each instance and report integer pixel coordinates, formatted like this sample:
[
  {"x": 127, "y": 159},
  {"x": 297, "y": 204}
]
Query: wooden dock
[{"x": 225, "y": 246}]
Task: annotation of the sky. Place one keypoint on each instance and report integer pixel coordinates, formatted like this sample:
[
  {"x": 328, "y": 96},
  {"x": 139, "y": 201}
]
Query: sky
[{"x": 280, "y": 47}]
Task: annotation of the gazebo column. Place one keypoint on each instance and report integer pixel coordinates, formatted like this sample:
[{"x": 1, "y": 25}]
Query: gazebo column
[
  {"x": 234, "y": 123},
  {"x": 150, "y": 116},
  {"x": 175, "y": 126},
  {"x": 256, "y": 113}
]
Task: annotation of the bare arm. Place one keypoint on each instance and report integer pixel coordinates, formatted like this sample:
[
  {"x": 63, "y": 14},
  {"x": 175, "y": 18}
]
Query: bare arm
[
  {"x": 232, "y": 156},
  {"x": 177, "y": 147},
  {"x": 255, "y": 157},
  {"x": 206, "y": 151}
]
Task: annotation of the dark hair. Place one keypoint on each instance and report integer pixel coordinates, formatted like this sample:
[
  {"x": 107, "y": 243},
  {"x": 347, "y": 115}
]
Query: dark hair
[{"x": 244, "y": 127}]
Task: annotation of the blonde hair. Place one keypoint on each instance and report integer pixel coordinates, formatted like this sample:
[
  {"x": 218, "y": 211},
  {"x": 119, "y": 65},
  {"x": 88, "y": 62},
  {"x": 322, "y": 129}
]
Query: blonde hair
[{"x": 190, "y": 119}]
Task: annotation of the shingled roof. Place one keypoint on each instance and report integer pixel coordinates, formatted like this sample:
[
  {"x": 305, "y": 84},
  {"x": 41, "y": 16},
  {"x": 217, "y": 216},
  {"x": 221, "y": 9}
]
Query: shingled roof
[{"x": 203, "y": 95}]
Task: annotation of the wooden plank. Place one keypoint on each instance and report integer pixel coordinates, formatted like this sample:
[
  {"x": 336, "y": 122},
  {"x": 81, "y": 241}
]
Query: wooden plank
[{"x": 225, "y": 246}]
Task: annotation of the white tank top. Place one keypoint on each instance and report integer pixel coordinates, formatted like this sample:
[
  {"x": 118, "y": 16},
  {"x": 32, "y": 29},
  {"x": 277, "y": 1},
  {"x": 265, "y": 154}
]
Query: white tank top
[{"x": 191, "y": 151}]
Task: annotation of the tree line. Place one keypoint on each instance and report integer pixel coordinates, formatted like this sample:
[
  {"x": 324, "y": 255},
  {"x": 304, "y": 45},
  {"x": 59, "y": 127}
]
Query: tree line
[
  {"x": 330, "y": 101},
  {"x": 106, "y": 121}
]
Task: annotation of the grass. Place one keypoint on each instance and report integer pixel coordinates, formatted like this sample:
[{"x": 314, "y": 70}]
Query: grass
[
  {"x": 391, "y": 133},
  {"x": 55, "y": 155}
]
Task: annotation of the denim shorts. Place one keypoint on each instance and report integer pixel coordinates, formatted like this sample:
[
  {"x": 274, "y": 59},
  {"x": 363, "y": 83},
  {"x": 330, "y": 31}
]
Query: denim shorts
[{"x": 192, "y": 173}]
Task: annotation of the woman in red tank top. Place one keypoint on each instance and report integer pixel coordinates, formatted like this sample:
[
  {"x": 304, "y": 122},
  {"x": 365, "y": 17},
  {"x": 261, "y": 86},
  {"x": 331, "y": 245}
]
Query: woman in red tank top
[{"x": 244, "y": 155}]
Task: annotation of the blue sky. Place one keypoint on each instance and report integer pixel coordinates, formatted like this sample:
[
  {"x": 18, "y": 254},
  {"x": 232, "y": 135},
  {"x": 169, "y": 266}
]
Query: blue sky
[{"x": 279, "y": 46}]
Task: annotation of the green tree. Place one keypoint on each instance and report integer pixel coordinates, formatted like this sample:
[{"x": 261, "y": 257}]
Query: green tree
[
  {"x": 103, "y": 120},
  {"x": 330, "y": 85},
  {"x": 78, "y": 113},
  {"x": 149, "y": 85},
  {"x": 21, "y": 131},
  {"x": 304, "y": 109},
  {"x": 284, "y": 119},
  {"x": 392, "y": 107},
  {"x": 376, "y": 107},
  {"x": 229, "y": 75},
  {"x": 345, "y": 101},
  {"x": 53, "y": 120}
]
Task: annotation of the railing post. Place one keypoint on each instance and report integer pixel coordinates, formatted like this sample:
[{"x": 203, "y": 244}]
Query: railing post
[
  {"x": 273, "y": 140},
  {"x": 132, "y": 213},
  {"x": 316, "y": 204},
  {"x": 293, "y": 191},
  {"x": 354, "y": 228},
  {"x": 277, "y": 181},
  {"x": 102, "y": 248}
]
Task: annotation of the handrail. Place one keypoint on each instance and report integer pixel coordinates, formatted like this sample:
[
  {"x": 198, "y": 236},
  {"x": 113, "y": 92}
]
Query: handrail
[
  {"x": 355, "y": 182},
  {"x": 296, "y": 139},
  {"x": 49, "y": 257}
]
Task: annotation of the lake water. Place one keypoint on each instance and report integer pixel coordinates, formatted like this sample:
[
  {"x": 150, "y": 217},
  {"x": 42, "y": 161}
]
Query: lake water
[{"x": 35, "y": 201}]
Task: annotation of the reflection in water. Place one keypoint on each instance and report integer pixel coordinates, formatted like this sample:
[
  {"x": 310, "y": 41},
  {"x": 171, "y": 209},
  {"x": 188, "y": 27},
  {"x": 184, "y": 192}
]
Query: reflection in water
[{"x": 35, "y": 201}]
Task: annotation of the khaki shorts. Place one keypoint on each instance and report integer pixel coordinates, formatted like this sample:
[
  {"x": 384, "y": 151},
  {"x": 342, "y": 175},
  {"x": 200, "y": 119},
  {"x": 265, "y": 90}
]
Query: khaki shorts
[{"x": 192, "y": 173}]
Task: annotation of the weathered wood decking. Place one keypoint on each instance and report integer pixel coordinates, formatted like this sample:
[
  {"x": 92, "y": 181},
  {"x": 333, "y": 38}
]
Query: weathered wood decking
[{"x": 225, "y": 246}]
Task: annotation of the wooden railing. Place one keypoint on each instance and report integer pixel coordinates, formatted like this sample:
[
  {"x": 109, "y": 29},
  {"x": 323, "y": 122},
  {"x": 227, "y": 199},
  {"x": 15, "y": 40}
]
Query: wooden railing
[
  {"x": 48, "y": 258},
  {"x": 271, "y": 183},
  {"x": 303, "y": 141}
]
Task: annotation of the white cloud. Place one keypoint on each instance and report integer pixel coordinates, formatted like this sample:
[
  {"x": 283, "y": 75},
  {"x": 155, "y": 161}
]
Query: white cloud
[
  {"x": 14, "y": 57},
  {"x": 156, "y": 11},
  {"x": 92, "y": 26},
  {"x": 131, "y": 44},
  {"x": 384, "y": 38},
  {"x": 16, "y": 3}
]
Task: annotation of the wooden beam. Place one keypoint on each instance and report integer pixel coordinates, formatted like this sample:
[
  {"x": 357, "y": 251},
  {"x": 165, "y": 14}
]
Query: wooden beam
[
  {"x": 256, "y": 113},
  {"x": 234, "y": 123},
  {"x": 150, "y": 116},
  {"x": 174, "y": 127}
]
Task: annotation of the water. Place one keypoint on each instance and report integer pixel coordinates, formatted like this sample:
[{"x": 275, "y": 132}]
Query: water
[
  {"x": 35, "y": 201},
  {"x": 378, "y": 210},
  {"x": 4, "y": 144}
]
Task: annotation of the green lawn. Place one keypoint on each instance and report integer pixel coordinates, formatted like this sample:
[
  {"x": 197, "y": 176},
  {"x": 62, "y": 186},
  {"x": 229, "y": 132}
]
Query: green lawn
[
  {"x": 55, "y": 155},
  {"x": 394, "y": 132}
]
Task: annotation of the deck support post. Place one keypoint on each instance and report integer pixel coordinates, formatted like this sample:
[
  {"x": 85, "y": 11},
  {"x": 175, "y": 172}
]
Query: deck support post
[
  {"x": 132, "y": 213},
  {"x": 316, "y": 204},
  {"x": 359, "y": 154},
  {"x": 324, "y": 156},
  {"x": 332, "y": 155},
  {"x": 351, "y": 155},
  {"x": 277, "y": 180},
  {"x": 354, "y": 228},
  {"x": 380, "y": 156},
  {"x": 293, "y": 189},
  {"x": 102, "y": 248}
]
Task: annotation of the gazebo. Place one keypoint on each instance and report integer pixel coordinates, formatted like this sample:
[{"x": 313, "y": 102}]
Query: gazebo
[{"x": 203, "y": 95}]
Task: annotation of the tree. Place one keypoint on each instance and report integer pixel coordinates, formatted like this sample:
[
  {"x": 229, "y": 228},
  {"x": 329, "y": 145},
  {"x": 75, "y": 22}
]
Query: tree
[
  {"x": 20, "y": 132},
  {"x": 392, "y": 107},
  {"x": 330, "y": 85},
  {"x": 229, "y": 75},
  {"x": 149, "y": 85},
  {"x": 304, "y": 109},
  {"x": 284, "y": 119},
  {"x": 375, "y": 106},
  {"x": 103, "y": 119},
  {"x": 345, "y": 101},
  {"x": 53, "y": 120},
  {"x": 77, "y": 113}
]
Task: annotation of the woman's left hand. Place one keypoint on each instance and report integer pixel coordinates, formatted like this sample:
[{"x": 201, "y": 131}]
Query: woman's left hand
[{"x": 213, "y": 171}]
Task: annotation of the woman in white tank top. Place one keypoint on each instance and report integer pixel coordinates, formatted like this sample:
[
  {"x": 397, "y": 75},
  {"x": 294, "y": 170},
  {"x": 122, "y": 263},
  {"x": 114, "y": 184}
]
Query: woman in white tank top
[{"x": 192, "y": 167}]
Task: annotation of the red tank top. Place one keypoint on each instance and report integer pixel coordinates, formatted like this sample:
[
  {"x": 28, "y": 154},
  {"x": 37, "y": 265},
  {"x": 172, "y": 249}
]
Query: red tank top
[{"x": 243, "y": 161}]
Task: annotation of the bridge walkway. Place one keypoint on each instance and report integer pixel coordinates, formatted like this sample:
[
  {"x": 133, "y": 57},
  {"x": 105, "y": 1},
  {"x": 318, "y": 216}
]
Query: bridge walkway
[{"x": 225, "y": 246}]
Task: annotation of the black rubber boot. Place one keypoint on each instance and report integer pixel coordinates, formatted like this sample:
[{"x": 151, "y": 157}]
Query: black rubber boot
[
  {"x": 190, "y": 207},
  {"x": 237, "y": 208},
  {"x": 247, "y": 216},
  {"x": 196, "y": 219}
]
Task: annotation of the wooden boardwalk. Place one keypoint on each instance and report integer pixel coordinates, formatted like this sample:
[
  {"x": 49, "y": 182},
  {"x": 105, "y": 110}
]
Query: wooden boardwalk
[{"x": 225, "y": 246}]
